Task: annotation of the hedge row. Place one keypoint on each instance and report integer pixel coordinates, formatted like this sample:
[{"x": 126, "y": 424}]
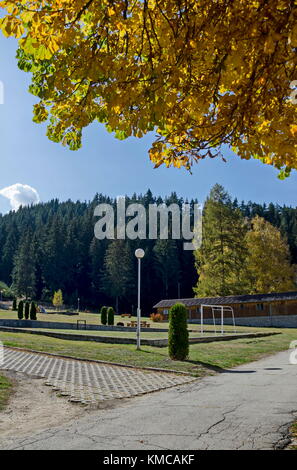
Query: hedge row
[{"x": 26, "y": 309}]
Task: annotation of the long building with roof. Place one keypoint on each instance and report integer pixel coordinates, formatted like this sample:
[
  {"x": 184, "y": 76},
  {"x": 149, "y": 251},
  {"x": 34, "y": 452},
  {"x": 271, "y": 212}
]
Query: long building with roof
[{"x": 275, "y": 309}]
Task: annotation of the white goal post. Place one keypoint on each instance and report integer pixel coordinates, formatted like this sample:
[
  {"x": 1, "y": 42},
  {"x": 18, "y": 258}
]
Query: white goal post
[{"x": 217, "y": 308}]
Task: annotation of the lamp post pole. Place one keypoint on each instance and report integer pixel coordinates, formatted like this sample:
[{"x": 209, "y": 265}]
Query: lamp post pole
[
  {"x": 139, "y": 253},
  {"x": 78, "y": 304}
]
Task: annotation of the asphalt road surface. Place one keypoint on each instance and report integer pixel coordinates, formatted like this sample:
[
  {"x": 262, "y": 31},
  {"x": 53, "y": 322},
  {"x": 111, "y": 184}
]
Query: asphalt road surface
[{"x": 249, "y": 407}]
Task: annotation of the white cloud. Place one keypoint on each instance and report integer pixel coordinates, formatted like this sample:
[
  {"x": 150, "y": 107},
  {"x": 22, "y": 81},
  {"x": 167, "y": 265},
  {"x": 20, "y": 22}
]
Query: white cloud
[{"x": 20, "y": 195}]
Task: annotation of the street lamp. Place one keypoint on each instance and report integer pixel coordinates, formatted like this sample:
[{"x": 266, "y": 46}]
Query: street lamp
[
  {"x": 78, "y": 304},
  {"x": 139, "y": 253}
]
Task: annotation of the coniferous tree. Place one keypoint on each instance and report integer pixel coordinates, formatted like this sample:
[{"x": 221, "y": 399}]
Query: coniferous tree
[
  {"x": 24, "y": 279},
  {"x": 221, "y": 257},
  {"x": 8, "y": 252},
  {"x": 178, "y": 336},
  {"x": 21, "y": 310},
  {"x": 118, "y": 270},
  {"x": 62, "y": 253},
  {"x": 103, "y": 313},
  {"x": 27, "y": 310},
  {"x": 167, "y": 266},
  {"x": 33, "y": 311},
  {"x": 110, "y": 316}
]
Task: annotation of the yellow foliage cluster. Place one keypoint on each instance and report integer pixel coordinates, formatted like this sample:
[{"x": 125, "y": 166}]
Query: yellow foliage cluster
[
  {"x": 268, "y": 263},
  {"x": 200, "y": 73}
]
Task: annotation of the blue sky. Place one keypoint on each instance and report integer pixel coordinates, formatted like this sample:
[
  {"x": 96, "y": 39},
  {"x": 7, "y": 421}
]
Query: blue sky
[{"x": 107, "y": 165}]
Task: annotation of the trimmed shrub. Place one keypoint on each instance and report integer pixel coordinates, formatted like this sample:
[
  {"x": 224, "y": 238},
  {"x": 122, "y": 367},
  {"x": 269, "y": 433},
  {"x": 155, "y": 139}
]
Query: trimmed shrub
[
  {"x": 103, "y": 313},
  {"x": 33, "y": 311},
  {"x": 14, "y": 304},
  {"x": 27, "y": 310},
  {"x": 178, "y": 339},
  {"x": 110, "y": 316},
  {"x": 21, "y": 310}
]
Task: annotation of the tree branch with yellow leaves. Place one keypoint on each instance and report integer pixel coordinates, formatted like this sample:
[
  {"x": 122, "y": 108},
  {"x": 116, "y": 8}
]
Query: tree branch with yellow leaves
[{"x": 200, "y": 74}]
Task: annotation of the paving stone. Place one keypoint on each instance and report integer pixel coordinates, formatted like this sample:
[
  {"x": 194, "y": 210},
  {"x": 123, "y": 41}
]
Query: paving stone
[{"x": 88, "y": 382}]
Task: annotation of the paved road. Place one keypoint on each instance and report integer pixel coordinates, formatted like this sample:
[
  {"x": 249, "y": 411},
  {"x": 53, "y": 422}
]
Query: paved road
[{"x": 249, "y": 407}]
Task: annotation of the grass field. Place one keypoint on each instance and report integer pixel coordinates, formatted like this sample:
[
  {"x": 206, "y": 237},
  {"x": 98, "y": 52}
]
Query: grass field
[
  {"x": 5, "y": 390},
  {"x": 93, "y": 319},
  {"x": 203, "y": 358},
  {"x": 147, "y": 334}
]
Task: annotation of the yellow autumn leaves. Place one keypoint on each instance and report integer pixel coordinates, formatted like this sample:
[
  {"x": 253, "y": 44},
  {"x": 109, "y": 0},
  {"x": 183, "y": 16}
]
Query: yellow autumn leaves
[{"x": 199, "y": 73}]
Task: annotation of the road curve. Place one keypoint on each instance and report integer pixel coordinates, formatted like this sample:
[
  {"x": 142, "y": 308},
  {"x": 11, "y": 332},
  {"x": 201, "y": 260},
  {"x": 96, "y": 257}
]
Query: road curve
[{"x": 249, "y": 407}]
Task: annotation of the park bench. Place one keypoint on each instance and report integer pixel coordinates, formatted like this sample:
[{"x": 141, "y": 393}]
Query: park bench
[
  {"x": 143, "y": 324},
  {"x": 126, "y": 315}
]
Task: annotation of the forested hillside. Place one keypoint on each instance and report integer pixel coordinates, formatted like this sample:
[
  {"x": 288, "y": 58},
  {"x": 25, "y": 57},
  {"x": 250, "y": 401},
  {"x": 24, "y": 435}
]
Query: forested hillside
[{"x": 51, "y": 246}]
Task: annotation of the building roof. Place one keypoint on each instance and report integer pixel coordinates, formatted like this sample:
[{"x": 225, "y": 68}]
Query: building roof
[{"x": 232, "y": 299}]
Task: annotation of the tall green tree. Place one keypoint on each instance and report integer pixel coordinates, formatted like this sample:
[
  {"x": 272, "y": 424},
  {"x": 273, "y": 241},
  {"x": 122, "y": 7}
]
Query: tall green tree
[
  {"x": 33, "y": 311},
  {"x": 9, "y": 249},
  {"x": 118, "y": 270},
  {"x": 268, "y": 267},
  {"x": 24, "y": 279},
  {"x": 167, "y": 266},
  {"x": 110, "y": 316},
  {"x": 103, "y": 314},
  {"x": 221, "y": 257},
  {"x": 27, "y": 310},
  {"x": 21, "y": 310}
]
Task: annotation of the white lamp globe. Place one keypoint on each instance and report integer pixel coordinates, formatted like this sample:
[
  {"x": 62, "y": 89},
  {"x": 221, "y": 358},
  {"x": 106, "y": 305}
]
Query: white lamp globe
[{"x": 139, "y": 253}]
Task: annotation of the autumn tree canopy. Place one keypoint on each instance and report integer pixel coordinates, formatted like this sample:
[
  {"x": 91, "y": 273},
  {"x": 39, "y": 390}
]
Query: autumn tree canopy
[
  {"x": 268, "y": 267},
  {"x": 240, "y": 255},
  {"x": 200, "y": 73}
]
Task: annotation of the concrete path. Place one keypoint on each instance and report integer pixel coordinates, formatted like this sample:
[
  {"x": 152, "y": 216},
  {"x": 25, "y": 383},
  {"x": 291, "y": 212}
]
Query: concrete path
[{"x": 249, "y": 407}]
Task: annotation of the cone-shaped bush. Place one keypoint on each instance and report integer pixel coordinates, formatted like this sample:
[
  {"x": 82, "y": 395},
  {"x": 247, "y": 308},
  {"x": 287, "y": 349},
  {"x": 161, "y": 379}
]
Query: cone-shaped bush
[
  {"x": 27, "y": 310},
  {"x": 21, "y": 310},
  {"x": 178, "y": 339},
  {"x": 110, "y": 316},
  {"x": 14, "y": 304},
  {"x": 33, "y": 311},
  {"x": 103, "y": 312}
]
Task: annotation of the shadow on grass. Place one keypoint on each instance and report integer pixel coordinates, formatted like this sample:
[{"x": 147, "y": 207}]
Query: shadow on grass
[
  {"x": 204, "y": 365},
  {"x": 219, "y": 369}
]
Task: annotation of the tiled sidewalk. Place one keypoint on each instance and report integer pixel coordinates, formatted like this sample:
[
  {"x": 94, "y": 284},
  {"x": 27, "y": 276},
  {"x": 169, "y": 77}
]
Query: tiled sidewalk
[{"x": 88, "y": 382}]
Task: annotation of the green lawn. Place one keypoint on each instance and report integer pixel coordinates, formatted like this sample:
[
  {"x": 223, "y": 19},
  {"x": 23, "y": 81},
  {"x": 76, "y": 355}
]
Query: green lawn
[
  {"x": 93, "y": 319},
  {"x": 147, "y": 334},
  {"x": 203, "y": 358},
  {"x": 5, "y": 390}
]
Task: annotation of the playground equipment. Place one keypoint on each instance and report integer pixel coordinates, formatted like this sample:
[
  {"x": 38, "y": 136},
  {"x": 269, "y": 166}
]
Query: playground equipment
[{"x": 217, "y": 308}]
